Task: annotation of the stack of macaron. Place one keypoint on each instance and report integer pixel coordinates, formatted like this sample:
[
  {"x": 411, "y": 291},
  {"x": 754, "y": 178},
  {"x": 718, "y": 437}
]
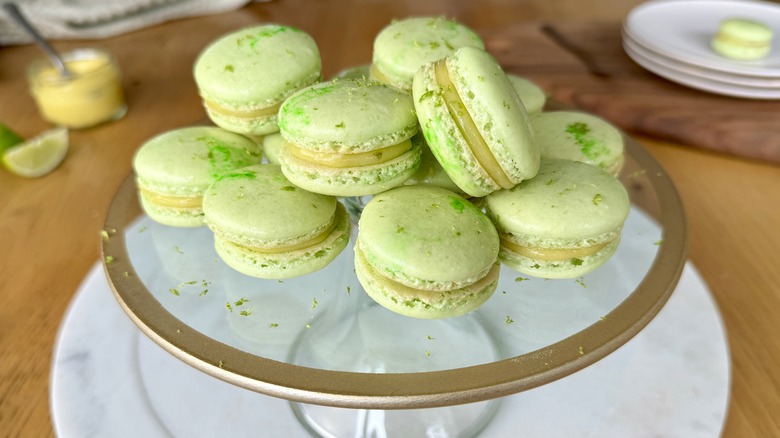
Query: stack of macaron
[{"x": 464, "y": 170}]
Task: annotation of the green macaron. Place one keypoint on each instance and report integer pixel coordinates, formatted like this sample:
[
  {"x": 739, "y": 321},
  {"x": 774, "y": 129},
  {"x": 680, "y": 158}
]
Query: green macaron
[
  {"x": 563, "y": 223},
  {"x": 244, "y": 76},
  {"x": 426, "y": 252},
  {"x": 266, "y": 227},
  {"x": 175, "y": 168},
  {"x": 743, "y": 39},
  {"x": 474, "y": 122},
  {"x": 357, "y": 72},
  {"x": 349, "y": 138},
  {"x": 272, "y": 147},
  {"x": 577, "y": 136},
  {"x": 531, "y": 95},
  {"x": 403, "y": 46}
]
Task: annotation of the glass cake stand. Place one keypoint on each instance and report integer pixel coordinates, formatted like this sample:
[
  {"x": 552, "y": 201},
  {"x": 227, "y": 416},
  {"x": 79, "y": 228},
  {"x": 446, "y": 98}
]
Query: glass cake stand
[{"x": 353, "y": 368}]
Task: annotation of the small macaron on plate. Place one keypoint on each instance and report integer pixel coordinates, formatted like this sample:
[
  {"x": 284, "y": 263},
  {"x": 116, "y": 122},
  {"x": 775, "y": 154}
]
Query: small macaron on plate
[{"x": 683, "y": 30}]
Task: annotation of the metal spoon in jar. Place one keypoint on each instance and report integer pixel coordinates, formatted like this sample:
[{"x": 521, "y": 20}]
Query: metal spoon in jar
[{"x": 54, "y": 57}]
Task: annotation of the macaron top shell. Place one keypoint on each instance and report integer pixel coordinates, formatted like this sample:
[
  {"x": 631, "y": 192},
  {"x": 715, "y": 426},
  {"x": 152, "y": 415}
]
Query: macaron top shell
[
  {"x": 403, "y": 46},
  {"x": 531, "y": 95},
  {"x": 347, "y": 116},
  {"x": 257, "y": 67},
  {"x": 577, "y": 136},
  {"x": 184, "y": 162},
  {"x": 257, "y": 205},
  {"x": 567, "y": 204},
  {"x": 427, "y": 238}
]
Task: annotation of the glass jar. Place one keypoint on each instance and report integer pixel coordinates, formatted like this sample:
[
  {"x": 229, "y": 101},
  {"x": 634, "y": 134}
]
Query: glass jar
[{"x": 91, "y": 95}]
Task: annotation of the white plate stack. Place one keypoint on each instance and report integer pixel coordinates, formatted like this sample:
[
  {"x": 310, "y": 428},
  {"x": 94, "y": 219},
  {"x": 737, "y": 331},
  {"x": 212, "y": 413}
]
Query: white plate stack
[{"x": 671, "y": 38}]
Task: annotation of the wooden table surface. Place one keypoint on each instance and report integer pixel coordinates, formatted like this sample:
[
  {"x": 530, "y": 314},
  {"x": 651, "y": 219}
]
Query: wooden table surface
[{"x": 50, "y": 226}]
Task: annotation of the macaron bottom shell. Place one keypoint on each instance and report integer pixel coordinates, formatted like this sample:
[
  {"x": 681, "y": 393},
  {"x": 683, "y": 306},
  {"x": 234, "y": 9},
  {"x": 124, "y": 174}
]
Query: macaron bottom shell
[
  {"x": 354, "y": 181},
  {"x": 558, "y": 269},
  {"x": 173, "y": 216},
  {"x": 290, "y": 264},
  {"x": 420, "y": 303},
  {"x": 243, "y": 125}
]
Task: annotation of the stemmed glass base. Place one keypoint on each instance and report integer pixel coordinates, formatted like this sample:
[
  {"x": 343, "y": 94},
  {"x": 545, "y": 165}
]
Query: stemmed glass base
[{"x": 460, "y": 421}]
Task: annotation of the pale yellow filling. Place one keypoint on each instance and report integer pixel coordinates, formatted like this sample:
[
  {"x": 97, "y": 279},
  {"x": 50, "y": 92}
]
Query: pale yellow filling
[
  {"x": 468, "y": 128},
  {"x": 552, "y": 254},
  {"x": 330, "y": 159},
  {"x": 316, "y": 240},
  {"x": 727, "y": 38},
  {"x": 262, "y": 112},
  {"x": 171, "y": 201}
]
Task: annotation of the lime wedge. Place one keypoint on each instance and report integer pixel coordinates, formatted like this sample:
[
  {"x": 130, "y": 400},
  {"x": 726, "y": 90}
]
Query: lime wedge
[
  {"x": 39, "y": 155},
  {"x": 8, "y": 138}
]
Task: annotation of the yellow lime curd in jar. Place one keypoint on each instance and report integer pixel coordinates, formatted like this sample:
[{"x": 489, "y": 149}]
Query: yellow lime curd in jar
[{"x": 92, "y": 94}]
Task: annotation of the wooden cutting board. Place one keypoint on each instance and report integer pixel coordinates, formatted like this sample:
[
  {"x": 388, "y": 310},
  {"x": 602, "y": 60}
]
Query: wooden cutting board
[{"x": 584, "y": 65}]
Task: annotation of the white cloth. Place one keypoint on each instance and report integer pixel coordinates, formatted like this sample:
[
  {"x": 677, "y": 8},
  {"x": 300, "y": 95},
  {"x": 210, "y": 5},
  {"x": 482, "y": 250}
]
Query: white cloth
[{"x": 93, "y": 19}]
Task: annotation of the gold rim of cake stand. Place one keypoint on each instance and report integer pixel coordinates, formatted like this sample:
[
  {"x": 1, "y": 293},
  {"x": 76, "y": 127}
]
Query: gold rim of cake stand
[{"x": 405, "y": 390}]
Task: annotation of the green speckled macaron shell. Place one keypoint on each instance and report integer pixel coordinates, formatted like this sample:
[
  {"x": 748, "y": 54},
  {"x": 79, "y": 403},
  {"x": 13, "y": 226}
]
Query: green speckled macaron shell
[
  {"x": 568, "y": 204},
  {"x": 577, "y": 136},
  {"x": 497, "y": 112},
  {"x": 347, "y": 116},
  {"x": 256, "y": 68},
  {"x": 184, "y": 162},
  {"x": 402, "y": 47},
  {"x": 258, "y": 206},
  {"x": 431, "y": 173},
  {"x": 531, "y": 95},
  {"x": 427, "y": 238}
]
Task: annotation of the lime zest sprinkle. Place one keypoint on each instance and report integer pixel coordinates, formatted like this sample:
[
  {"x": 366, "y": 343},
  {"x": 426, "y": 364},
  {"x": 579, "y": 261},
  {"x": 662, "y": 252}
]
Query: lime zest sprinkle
[
  {"x": 519, "y": 279},
  {"x": 314, "y": 303},
  {"x": 245, "y": 312},
  {"x": 597, "y": 199},
  {"x": 104, "y": 234},
  {"x": 576, "y": 262},
  {"x": 174, "y": 291},
  {"x": 428, "y": 353},
  {"x": 229, "y": 307},
  {"x": 581, "y": 350},
  {"x": 658, "y": 242},
  {"x": 109, "y": 259},
  {"x": 580, "y": 281},
  {"x": 273, "y": 325},
  {"x": 508, "y": 320}
]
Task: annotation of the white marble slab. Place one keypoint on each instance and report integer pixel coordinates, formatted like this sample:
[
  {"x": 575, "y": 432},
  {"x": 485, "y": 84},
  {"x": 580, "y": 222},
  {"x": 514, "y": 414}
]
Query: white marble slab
[{"x": 671, "y": 380}]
